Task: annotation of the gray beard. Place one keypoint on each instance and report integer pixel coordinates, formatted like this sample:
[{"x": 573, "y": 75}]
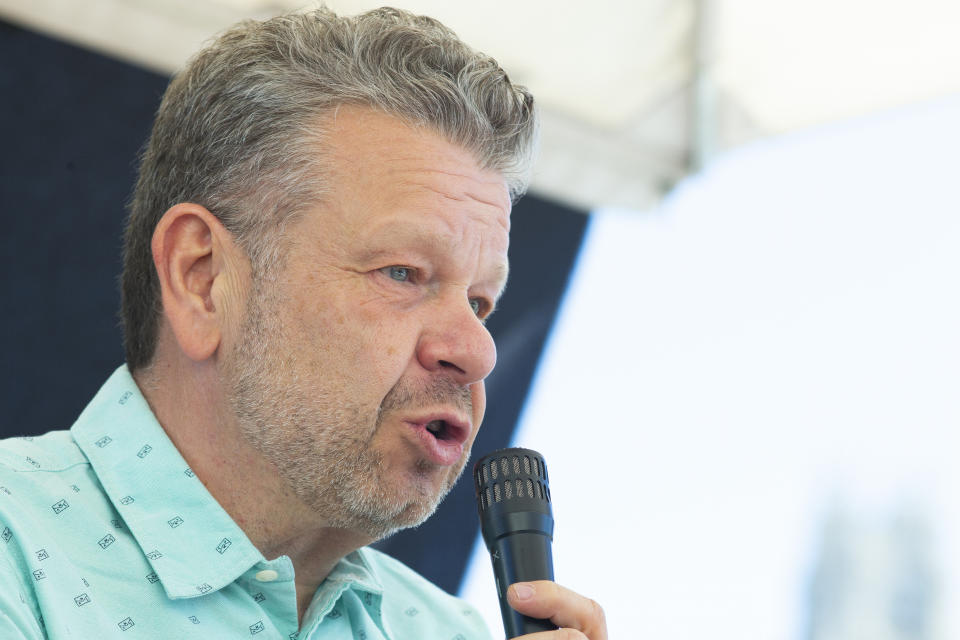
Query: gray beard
[{"x": 319, "y": 442}]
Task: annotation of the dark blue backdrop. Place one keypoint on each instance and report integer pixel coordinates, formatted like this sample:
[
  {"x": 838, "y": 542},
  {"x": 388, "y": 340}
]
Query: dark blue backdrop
[{"x": 71, "y": 124}]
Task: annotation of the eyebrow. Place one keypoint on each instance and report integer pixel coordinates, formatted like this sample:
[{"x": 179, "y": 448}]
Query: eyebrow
[{"x": 499, "y": 273}]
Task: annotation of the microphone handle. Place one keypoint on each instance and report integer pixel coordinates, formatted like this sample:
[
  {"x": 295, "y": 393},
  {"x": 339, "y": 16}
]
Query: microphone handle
[{"x": 521, "y": 557}]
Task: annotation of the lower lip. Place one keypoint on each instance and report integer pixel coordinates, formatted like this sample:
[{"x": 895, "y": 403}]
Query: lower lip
[{"x": 441, "y": 452}]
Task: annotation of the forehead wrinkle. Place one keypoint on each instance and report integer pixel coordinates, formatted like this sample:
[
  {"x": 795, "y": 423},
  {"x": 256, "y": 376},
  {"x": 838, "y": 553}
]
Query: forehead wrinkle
[
  {"x": 426, "y": 177},
  {"x": 468, "y": 197},
  {"x": 487, "y": 214}
]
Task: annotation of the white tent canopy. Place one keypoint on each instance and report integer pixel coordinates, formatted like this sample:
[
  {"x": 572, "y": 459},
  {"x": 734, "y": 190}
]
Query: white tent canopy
[{"x": 634, "y": 94}]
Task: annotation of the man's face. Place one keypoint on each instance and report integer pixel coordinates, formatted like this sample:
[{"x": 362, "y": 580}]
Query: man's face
[{"x": 358, "y": 370}]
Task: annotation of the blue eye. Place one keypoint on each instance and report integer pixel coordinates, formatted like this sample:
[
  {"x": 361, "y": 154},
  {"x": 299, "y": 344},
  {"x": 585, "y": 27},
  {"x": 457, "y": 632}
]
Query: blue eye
[
  {"x": 475, "y": 305},
  {"x": 400, "y": 274}
]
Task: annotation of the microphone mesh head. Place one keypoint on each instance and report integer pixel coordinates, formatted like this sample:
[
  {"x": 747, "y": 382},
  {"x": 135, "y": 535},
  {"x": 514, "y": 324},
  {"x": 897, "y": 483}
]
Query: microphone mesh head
[{"x": 510, "y": 475}]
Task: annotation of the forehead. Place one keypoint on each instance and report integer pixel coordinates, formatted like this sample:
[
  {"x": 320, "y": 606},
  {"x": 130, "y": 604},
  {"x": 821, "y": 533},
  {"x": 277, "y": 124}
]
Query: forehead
[{"x": 385, "y": 174}]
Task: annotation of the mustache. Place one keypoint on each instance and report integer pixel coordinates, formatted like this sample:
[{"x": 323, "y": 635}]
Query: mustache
[{"x": 407, "y": 394}]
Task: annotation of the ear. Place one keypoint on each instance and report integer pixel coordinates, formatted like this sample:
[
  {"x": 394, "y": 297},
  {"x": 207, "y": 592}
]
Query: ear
[{"x": 199, "y": 266}]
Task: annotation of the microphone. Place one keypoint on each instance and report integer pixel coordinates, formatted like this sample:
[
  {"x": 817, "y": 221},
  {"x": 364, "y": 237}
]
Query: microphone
[{"x": 513, "y": 500}]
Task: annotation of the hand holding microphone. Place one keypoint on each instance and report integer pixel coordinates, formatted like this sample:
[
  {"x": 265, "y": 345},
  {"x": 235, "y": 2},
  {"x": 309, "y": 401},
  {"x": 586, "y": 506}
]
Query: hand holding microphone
[{"x": 513, "y": 500}]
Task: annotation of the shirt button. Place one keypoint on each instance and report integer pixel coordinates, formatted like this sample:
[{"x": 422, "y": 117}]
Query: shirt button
[{"x": 267, "y": 575}]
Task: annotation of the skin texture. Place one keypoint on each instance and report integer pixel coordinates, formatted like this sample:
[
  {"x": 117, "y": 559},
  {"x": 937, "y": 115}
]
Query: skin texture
[
  {"x": 386, "y": 288},
  {"x": 299, "y": 395}
]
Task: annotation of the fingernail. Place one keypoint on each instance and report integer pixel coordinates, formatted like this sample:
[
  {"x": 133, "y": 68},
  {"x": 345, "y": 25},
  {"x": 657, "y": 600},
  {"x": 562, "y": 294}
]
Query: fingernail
[{"x": 522, "y": 591}]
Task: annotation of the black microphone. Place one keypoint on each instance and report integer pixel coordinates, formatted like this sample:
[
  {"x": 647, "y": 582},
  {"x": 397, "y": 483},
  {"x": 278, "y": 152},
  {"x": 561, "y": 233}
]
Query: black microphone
[{"x": 513, "y": 500}]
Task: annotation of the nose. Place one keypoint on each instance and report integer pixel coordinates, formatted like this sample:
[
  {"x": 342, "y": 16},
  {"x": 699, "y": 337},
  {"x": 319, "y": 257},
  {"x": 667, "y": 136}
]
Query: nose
[{"x": 454, "y": 341}]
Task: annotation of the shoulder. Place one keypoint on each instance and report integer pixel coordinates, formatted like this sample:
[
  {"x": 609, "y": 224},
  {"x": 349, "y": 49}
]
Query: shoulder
[
  {"x": 53, "y": 451},
  {"x": 39, "y": 475}
]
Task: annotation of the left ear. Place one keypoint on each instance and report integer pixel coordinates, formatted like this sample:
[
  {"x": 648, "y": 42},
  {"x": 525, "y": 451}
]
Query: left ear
[{"x": 202, "y": 272}]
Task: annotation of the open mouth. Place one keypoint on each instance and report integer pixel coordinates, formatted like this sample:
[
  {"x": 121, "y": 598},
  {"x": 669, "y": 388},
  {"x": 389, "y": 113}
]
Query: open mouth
[
  {"x": 440, "y": 429},
  {"x": 442, "y": 439}
]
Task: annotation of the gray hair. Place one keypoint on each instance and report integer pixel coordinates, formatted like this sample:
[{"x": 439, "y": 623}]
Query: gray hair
[{"x": 239, "y": 130}]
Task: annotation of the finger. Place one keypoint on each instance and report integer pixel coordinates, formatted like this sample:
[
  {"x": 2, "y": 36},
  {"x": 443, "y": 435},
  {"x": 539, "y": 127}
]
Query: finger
[
  {"x": 566, "y": 609},
  {"x": 560, "y": 634}
]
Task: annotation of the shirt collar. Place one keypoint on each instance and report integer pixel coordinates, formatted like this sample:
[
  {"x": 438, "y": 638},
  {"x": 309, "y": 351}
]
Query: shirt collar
[
  {"x": 355, "y": 570},
  {"x": 192, "y": 544}
]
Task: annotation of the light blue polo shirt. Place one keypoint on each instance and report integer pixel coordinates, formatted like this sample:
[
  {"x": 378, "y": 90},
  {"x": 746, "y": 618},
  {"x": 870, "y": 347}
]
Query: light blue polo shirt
[{"x": 105, "y": 532}]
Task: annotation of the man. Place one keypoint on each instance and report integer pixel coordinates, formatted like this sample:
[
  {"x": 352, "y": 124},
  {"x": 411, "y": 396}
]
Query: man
[{"x": 318, "y": 232}]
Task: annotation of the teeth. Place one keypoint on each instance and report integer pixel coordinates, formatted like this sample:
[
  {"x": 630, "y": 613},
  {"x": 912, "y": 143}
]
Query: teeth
[{"x": 435, "y": 426}]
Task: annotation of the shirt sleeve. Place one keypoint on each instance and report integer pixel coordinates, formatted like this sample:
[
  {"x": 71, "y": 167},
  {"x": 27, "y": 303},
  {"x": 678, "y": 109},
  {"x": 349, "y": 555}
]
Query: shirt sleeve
[
  {"x": 17, "y": 621},
  {"x": 10, "y": 629}
]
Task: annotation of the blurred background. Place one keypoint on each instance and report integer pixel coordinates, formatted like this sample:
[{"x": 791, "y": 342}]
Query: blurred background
[{"x": 732, "y": 322}]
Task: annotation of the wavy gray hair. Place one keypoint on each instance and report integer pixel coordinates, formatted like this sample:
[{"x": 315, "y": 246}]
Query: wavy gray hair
[{"x": 239, "y": 130}]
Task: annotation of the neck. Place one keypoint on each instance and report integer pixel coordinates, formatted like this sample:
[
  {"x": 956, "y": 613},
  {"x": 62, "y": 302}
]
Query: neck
[{"x": 188, "y": 401}]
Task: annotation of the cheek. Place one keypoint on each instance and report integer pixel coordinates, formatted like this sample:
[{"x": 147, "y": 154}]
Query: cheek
[
  {"x": 390, "y": 350},
  {"x": 353, "y": 334},
  {"x": 369, "y": 347}
]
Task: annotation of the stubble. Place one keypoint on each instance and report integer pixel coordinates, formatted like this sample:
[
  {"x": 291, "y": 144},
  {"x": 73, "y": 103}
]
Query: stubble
[{"x": 319, "y": 439}]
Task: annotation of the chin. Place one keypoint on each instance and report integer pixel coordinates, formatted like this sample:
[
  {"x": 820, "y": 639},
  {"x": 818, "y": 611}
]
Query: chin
[
  {"x": 378, "y": 510},
  {"x": 382, "y": 525}
]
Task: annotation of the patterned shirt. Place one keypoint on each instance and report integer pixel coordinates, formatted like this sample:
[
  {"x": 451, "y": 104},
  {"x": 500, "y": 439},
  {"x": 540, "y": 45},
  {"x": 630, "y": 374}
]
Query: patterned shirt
[{"x": 105, "y": 532}]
